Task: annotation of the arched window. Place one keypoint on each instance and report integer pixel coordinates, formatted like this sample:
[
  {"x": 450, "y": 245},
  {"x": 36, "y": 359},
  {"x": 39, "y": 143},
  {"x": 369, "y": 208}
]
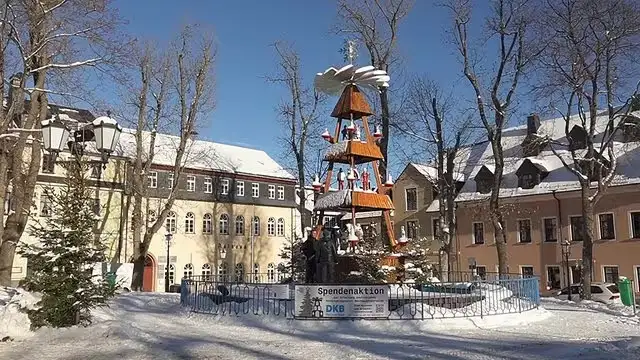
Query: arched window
[
  {"x": 224, "y": 224},
  {"x": 239, "y": 225},
  {"x": 256, "y": 273},
  {"x": 271, "y": 227},
  {"x": 239, "y": 273},
  {"x": 170, "y": 223},
  {"x": 280, "y": 227},
  {"x": 188, "y": 271},
  {"x": 189, "y": 223},
  {"x": 222, "y": 272},
  {"x": 255, "y": 226},
  {"x": 172, "y": 273},
  {"x": 206, "y": 271},
  {"x": 206, "y": 224},
  {"x": 271, "y": 273}
]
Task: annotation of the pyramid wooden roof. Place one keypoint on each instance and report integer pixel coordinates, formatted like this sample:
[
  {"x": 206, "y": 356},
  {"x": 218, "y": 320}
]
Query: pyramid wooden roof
[
  {"x": 352, "y": 101},
  {"x": 362, "y": 152}
]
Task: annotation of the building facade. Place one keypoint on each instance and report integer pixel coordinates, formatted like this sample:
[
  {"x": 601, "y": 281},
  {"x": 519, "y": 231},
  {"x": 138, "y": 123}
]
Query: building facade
[
  {"x": 541, "y": 205},
  {"x": 227, "y": 197}
]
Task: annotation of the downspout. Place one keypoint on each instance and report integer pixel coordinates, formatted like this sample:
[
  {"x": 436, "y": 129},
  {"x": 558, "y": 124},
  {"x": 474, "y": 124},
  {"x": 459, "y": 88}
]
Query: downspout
[
  {"x": 560, "y": 238},
  {"x": 560, "y": 225}
]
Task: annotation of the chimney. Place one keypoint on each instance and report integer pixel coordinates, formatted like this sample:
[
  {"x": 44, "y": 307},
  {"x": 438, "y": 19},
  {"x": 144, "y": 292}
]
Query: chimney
[{"x": 533, "y": 123}]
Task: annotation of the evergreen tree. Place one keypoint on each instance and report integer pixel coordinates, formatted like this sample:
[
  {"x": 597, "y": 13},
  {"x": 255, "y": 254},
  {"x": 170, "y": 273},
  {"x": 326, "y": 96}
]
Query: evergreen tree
[
  {"x": 294, "y": 261},
  {"x": 60, "y": 264},
  {"x": 306, "y": 308}
]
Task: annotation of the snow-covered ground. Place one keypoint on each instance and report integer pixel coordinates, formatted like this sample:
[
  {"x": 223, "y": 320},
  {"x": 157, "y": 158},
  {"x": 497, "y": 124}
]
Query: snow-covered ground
[{"x": 153, "y": 326}]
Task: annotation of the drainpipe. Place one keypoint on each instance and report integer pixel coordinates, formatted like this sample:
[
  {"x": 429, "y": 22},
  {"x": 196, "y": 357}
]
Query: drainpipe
[{"x": 560, "y": 238}]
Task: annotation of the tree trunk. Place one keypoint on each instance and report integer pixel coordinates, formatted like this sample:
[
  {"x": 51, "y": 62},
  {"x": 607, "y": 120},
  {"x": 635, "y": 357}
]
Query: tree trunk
[
  {"x": 587, "y": 242},
  {"x": 138, "y": 270},
  {"x": 137, "y": 227},
  {"x": 498, "y": 221},
  {"x": 11, "y": 236},
  {"x": 382, "y": 165}
]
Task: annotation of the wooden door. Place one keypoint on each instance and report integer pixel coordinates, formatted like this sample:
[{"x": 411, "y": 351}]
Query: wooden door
[{"x": 147, "y": 276}]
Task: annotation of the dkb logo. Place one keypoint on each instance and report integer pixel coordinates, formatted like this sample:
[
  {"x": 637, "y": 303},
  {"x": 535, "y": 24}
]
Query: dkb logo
[{"x": 335, "y": 308}]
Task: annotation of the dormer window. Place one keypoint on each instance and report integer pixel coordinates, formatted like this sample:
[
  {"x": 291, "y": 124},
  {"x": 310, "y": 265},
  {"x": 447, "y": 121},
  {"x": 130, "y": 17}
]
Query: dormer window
[
  {"x": 577, "y": 138},
  {"x": 530, "y": 173},
  {"x": 484, "y": 180},
  {"x": 600, "y": 168},
  {"x": 631, "y": 128}
]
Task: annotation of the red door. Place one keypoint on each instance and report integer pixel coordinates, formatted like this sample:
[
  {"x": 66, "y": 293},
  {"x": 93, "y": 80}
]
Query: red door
[{"x": 147, "y": 275}]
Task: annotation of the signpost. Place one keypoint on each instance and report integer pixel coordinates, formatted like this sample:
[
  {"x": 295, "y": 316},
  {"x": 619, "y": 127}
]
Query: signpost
[{"x": 341, "y": 301}]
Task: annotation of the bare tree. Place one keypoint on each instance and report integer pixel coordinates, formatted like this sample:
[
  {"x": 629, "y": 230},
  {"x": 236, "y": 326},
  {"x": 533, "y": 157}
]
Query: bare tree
[
  {"x": 591, "y": 49},
  {"x": 429, "y": 120},
  {"x": 375, "y": 23},
  {"x": 507, "y": 24},
  {"x": 40, "y": 41},
  {"x": 299, "y": 114},
  {"x": 176, "y": 90}
]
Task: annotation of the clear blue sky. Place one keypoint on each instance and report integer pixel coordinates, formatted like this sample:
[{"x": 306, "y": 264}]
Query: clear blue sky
[{"x": 246, "y": 28}]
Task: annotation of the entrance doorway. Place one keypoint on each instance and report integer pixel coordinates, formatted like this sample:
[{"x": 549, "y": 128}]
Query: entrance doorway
[{"x": 148, "y": 276}]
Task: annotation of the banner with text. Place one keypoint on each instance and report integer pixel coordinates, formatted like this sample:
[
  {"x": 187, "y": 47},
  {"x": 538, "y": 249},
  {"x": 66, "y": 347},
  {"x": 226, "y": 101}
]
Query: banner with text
[{"x": 341, "y": 301}]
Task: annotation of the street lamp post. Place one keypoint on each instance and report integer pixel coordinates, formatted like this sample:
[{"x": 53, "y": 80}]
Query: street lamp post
[
  {"x": 566, "y": 251},
  {"x": 167, "y": 238},
  {"x": 223, "y": 255}
]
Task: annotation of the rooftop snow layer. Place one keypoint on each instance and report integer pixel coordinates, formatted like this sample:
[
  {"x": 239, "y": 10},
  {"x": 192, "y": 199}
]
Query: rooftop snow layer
[{"x": 206, "y": 155}]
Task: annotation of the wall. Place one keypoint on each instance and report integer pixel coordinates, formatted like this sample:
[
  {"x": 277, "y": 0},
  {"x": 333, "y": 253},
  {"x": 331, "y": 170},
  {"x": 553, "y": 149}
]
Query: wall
[
  {"x": 411, "y": 178},
  {"x": 623, "y": 251}
]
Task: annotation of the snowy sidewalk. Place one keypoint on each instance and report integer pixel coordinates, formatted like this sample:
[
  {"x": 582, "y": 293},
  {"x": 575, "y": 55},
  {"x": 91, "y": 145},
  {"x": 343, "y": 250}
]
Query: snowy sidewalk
[{"x": 153, "y": 326}]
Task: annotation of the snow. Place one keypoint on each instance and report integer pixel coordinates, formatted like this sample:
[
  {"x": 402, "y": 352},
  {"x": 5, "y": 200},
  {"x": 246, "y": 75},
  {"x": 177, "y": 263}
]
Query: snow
[
  {"x": 153, "y": 326},
  {"x": 14, "y": 321},
  {"x": 333, "y": 200},
  {"x": 472, "y": 158},
  {"x": 206, "y": 155}
]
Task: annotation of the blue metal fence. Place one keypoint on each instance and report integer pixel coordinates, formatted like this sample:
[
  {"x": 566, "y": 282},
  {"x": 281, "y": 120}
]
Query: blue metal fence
[{"x": 475, "y": 298}]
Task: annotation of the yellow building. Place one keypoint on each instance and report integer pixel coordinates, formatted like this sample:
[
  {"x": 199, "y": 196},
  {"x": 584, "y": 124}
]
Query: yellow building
[{"x": 227, "y": 197}]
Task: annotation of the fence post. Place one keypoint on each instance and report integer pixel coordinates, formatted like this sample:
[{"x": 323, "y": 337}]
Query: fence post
[
  {"x": 521, "y": 283},
  {"x": 481, "y": 300},
  {"x": 195, "y": 296}
]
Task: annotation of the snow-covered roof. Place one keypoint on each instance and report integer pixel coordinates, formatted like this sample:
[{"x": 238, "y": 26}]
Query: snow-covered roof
[
  {"x": 363, "y": 215},
  {"x": 559, "y": 177},
  {"x": 431, "y": 172},
  {"x": 206, "y": 155}
]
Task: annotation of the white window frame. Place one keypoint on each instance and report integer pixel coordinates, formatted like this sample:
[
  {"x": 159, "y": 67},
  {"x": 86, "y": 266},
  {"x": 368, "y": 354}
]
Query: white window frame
[
  {"x": 406, "y": 203},
  {"x": 172, "y": 221},
  {"x": 563, "y": 277},
  {"x": 191, "y": 183},
  {"x": 271, "y": 226},
  {"x": 280, "y": 192},
  {"x": 208, "y": 185},
  {"x": 280, "y": 225},
  {"x": 272, "y": 191},
  {"x": 636, "y": 279},
  {"x": 524, "y": 266},
  {"x": 630, "y": 221},
  {"x": 255, "y": 190},
  {"x": 239, "y": 188},
  {"x": 152, "y": 179},
  {"x": 190, "y": 228},
  {"x": 543, "y": 233},
  {"x": 485, "y": 270},
  {"x": 530, "y": 230},
  {"x": 603, "y": 273},
  {"x": 615, "y": 231},
  {"x": 224, "y": 187},
  {"x": 207, "y": 219},
  {"x": 171, "y": 179},
  {"x": 473, "y": 233},
  {"x": 571, "y": 231}
]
